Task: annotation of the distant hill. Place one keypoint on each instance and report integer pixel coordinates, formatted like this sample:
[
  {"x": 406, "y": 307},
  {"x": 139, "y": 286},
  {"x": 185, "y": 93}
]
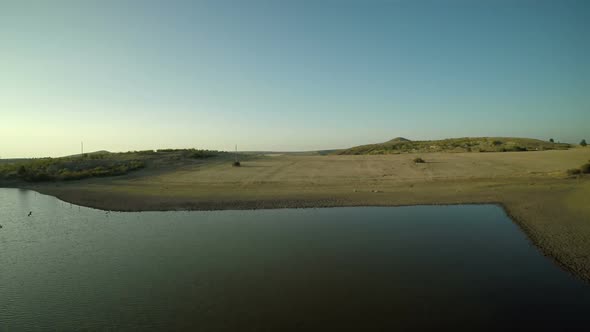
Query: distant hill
[{"x": 465, "y": 144}]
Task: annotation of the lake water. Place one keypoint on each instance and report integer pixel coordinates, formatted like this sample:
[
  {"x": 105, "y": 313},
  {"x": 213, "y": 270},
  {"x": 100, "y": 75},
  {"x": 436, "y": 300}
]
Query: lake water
[{"x": 461, "y": 267}]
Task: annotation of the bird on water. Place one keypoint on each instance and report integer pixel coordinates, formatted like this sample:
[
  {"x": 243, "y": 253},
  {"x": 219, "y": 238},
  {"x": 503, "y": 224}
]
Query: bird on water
[{"x": 30, "y": 213}]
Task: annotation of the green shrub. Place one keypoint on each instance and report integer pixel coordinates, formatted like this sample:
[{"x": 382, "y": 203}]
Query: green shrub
[
  {"x": 585, "y": 168},
  {"x": 583, "y": 142},
  {"x": 574, "y": 171},
  {"x": 514, "y": 148},
  {"x": 22, "y": 171}
]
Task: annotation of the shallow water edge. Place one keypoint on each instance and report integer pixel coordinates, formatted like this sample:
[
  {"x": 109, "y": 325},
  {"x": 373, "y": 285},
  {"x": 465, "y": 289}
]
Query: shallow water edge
[{"x": 520, "y": 219}]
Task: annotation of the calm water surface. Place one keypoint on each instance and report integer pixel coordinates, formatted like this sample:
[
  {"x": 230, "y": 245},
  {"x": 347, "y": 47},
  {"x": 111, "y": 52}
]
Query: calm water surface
[{"x": 462, "y": 267}]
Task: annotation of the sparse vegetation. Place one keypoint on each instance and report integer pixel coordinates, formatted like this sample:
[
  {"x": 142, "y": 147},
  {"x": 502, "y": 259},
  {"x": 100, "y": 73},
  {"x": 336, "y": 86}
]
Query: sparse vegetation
[
  {"x": 198, "y": 154},
  {"x": 69, "y": 168},
  {"x": 584, "y": 169},
  {"x": 514, "y": 148},
  {"x": 419, "y": 160},
  {"x": 467, "y": 144},
  {"x": 89, "y": 165}
]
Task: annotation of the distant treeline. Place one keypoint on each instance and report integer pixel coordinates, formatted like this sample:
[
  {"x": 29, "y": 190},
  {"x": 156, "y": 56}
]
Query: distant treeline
[{"x": 187, "y": 153}]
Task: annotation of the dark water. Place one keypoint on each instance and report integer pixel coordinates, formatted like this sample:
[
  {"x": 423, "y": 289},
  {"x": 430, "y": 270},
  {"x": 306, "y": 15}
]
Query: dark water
[{"x": 457, "y": 267}]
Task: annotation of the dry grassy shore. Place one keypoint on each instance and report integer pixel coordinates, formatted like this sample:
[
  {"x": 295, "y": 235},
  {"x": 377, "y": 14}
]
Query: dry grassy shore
[{"x": 551, "y": 208}]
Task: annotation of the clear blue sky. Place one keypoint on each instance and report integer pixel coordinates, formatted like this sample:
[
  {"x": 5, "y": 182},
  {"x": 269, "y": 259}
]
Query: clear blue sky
[{"x": 288, "y": 75}]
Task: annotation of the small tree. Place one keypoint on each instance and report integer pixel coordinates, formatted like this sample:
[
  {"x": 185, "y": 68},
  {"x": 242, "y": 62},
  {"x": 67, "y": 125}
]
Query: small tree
[
  {"x": 583, "y": 142},
  {"x": 551, "y": 140}
]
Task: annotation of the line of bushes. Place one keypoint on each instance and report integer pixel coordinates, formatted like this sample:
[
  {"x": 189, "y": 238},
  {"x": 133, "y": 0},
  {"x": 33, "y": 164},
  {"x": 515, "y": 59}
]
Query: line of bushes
[
  {"x": 186, "y": 153},
  {"x": 101, "y": 171},
  {"x": 199, "y": 154},
  {"x": 191, "y": 153},
  {"x": 66, "y": 169}
]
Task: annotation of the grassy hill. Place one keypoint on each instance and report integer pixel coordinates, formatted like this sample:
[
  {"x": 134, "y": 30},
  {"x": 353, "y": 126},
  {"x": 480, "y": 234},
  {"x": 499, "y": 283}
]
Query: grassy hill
[{"x": 465, "y": 144}]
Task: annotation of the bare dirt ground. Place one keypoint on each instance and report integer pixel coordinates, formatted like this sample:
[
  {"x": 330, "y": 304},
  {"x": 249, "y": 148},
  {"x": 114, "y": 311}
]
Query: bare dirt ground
[{"x": 532, "y": 186}]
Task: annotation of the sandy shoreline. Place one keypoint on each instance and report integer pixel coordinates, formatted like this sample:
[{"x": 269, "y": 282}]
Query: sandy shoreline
[{"x": 554, "y": 211}]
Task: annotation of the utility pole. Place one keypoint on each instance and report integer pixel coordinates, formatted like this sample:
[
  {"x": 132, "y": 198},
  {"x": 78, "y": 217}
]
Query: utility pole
[
  {"x": 81, "y": 147},
  {"x": 236, "y": 154}
]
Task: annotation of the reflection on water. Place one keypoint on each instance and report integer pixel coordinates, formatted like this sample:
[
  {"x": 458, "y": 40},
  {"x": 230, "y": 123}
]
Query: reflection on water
[{"x": 71, "y": 268}]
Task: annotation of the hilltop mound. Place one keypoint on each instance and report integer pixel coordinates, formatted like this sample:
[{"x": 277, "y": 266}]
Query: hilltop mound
[
  {"x": 465, "y": 144},
  {"x": 398, "y": 139}
]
